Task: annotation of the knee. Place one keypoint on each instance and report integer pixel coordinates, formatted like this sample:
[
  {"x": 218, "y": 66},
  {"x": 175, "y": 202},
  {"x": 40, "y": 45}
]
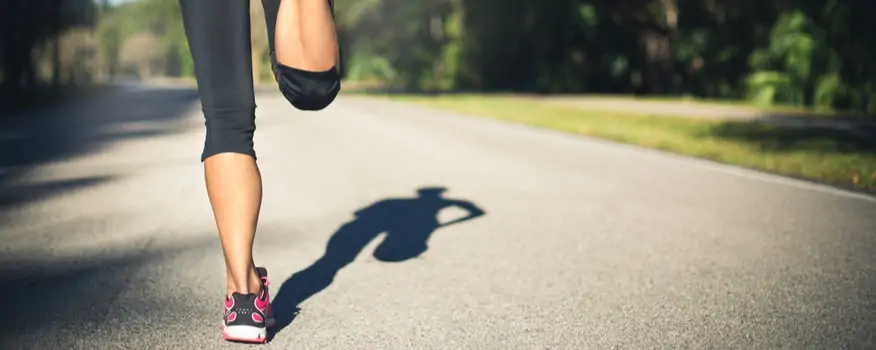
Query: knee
[
  {"x": 308, "y": 90},
  {"x": 229, "y": 132}
]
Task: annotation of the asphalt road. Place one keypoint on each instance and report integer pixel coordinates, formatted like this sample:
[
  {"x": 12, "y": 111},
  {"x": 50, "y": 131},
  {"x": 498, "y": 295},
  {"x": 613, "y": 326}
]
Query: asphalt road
[{"x": 108, "y": 239}]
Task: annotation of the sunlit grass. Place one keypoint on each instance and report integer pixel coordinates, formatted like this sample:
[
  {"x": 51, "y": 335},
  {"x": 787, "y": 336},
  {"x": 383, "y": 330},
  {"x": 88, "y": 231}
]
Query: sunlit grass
[{"x": 829, "y": 158}]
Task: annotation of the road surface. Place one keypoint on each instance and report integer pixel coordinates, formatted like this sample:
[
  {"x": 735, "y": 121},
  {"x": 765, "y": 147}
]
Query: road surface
[{"x": 108, "y": 239}]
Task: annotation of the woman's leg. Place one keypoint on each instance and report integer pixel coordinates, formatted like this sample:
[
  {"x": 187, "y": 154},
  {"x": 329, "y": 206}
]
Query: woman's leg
[
  {"x": 305, "y": 36},
  {"x": 304, "y": 51},
  {"x": 219, "y": 39}
]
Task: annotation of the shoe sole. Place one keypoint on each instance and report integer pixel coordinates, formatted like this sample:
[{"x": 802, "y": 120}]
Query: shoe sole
[{"x": 247, "y": 334}]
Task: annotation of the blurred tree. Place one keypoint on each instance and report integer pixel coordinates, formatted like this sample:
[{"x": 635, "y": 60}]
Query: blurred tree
[
  {"x": 141, "y": 53},
  {"x": 163, "y": 19},
  {"x": 802, "y": 52},
  {"x": 27, "y": 25}
]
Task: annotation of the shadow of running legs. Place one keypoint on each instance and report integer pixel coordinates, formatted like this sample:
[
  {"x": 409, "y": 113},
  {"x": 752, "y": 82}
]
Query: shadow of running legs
[{"x": 408, "y": 224}]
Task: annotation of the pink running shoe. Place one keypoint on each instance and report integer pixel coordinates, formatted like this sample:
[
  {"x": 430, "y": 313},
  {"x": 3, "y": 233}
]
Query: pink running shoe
[{"x": 247, "y": 317}]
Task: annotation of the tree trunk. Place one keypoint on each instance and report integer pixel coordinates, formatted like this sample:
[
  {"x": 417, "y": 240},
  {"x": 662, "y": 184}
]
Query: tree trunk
[
  {"x": 660, "y": 60},
  {"x": 145, "y": 70},
  {"x": 657, "y": 48}
]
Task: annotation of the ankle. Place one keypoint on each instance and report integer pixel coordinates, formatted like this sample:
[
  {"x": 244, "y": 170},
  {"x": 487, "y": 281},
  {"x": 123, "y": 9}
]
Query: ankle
[{"x": 253, "y": 285}]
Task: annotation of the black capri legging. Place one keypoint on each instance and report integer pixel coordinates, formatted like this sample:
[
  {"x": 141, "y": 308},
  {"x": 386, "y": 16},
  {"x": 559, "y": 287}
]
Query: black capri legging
[{"x": 218, "y": 33}]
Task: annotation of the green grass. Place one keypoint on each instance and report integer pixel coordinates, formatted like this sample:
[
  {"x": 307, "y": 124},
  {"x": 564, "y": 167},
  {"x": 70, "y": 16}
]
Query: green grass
[
  {"x": 830, "y": 157},
  {"x": 709, "y": 101},
  {"x": 734, "y": 103},
  {"x": 369, "y": 88}
]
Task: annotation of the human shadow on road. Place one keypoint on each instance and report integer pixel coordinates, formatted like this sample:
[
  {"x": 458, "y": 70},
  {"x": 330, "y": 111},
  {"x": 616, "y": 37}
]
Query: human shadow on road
[{"x": 408, "y": 224}]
